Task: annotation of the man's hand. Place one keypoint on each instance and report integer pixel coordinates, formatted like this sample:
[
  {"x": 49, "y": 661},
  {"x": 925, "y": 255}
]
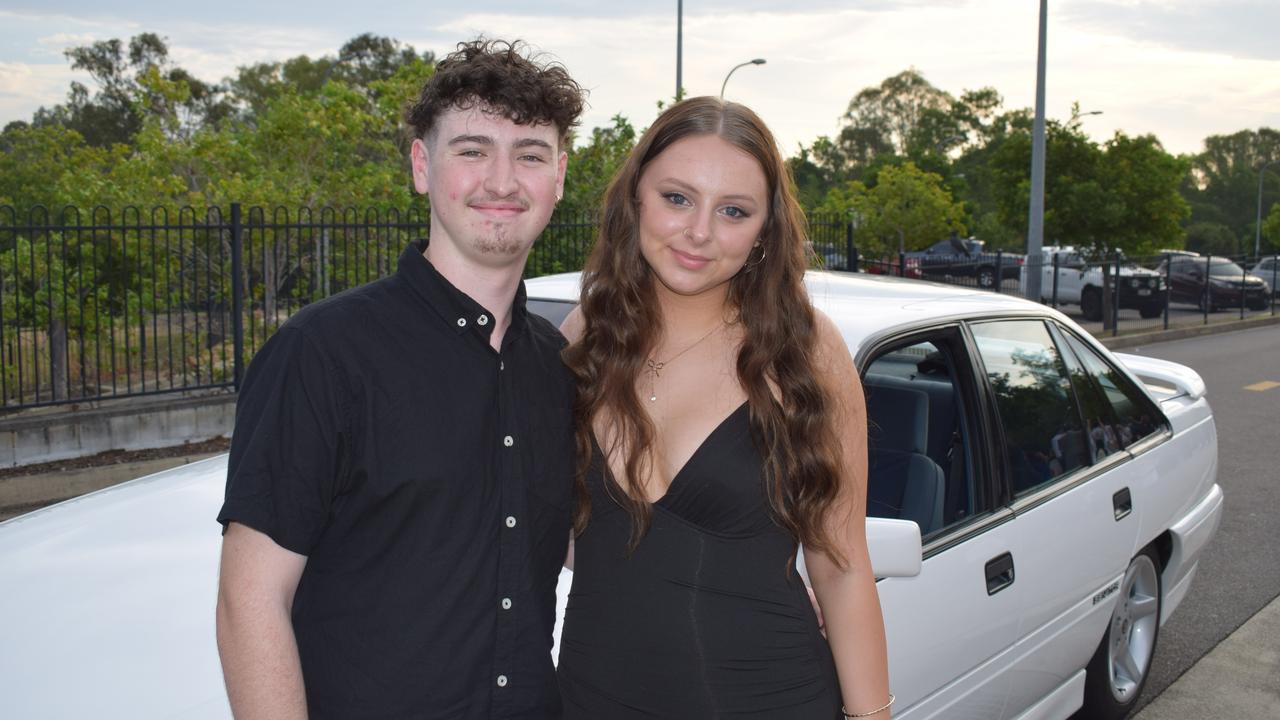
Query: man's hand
[{"x": 817, "y": 610}]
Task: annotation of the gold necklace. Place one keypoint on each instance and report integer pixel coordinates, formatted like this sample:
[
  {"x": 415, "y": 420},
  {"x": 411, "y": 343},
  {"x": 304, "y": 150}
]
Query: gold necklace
[{"x": 655, "y": 368}]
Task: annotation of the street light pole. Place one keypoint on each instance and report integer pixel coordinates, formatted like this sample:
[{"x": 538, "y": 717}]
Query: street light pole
[
  {"x": 1257, "y": 230},
  {"x": 679, "y": 47},
  {"x": 1035, "y": 214},
  {"x": 1076, "y": 115},
  {"x": 757, "y": 61}
]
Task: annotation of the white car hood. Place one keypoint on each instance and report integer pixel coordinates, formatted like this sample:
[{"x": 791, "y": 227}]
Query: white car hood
[{"x": 107, "y": 602}]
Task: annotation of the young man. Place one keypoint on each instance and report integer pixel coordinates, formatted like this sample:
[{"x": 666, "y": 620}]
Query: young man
[{"x": 398, "y": 497}]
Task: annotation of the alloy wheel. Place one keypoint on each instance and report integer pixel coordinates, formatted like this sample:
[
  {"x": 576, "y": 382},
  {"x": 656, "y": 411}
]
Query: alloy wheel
[{"x": 1134, "y": 624}]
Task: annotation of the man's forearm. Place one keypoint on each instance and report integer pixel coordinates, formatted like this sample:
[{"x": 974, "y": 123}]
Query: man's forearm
[{"x": 260, "y": 663}]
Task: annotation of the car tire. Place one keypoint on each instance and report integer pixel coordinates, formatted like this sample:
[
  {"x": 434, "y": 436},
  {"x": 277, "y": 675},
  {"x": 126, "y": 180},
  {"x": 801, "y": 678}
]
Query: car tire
[
  {"x": 1119, "y": 668},
  {"x": 986, "y": 278},
  {"x": 1150, "y": 311},
  {"x": 1091, "y": 304}
]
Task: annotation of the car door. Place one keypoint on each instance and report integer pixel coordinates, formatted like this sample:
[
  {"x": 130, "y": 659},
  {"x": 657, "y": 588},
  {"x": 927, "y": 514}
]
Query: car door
[
  {"x": 950, "y": 627},
  {"x": 1073, "y": 532}
]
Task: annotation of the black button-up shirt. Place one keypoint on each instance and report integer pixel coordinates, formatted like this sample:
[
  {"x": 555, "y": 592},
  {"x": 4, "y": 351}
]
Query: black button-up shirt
[{"x": 427, "y": 478}]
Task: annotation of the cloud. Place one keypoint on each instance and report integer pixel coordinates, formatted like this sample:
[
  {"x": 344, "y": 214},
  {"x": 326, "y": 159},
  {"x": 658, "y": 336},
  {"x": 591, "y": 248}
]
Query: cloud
[
  {"x": 25, "y": 87},
  {"x": 1236, "y": 28}
]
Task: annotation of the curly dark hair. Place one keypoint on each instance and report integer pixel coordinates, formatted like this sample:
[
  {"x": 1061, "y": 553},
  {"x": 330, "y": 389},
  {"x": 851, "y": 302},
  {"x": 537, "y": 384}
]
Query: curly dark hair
[
  {"x": 621, "y": 321},
  {"x": 503, "y": 77}
]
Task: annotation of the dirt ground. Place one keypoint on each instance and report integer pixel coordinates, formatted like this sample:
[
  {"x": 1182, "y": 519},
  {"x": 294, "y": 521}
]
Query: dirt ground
[
  {"x": 119, "y": 457},
  {"x": 30, "y": 487}
]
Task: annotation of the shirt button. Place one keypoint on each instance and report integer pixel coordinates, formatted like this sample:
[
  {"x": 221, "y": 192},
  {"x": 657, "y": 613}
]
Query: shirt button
[
  {"x": 506, "y": 603},
  {"x": 502, "y": 365},
  {"x": 511, "y": 521},
  {"x": 502, "y": 681},
  {"x": 508, "y": 441},
  {"x": 483, "y": 319},
  {"x": 462, "y": 322}
]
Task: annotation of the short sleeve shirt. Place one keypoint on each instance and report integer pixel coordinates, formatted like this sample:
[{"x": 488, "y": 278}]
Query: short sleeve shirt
[{"x": 427, "y": 479}]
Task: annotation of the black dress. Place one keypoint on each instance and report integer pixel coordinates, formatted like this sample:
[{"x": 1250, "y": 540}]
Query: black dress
[{"x": 708, "y": 617}]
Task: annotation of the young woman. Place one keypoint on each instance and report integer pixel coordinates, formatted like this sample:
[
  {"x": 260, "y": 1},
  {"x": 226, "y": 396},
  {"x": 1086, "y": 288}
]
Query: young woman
[{"x": 720, "y": 424}]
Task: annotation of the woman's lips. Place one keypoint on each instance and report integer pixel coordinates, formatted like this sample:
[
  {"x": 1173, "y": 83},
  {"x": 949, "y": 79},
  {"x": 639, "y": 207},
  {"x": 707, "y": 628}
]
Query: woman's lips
[{"x": 689, "y": 261}]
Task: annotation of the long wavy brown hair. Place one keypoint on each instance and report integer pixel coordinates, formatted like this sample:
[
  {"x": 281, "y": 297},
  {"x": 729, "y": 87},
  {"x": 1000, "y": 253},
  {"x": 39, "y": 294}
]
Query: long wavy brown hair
[{"x": 793, "y": 430}]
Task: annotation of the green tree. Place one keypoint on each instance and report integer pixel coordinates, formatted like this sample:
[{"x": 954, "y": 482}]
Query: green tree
[
  {"x": 906, "y": 209},
  {"x": 1209, "y": 238},
  {"x": 115, "y": 112},
  {"x": 1271, "y": 231},
  {"x": 1222, "y": 183},
  {"x": 1142, "y": 178},
  {"x": 593, "y": 165}
]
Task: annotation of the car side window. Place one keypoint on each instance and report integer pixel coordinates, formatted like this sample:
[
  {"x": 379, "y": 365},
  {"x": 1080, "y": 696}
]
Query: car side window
[
  {"x": 1044, "y": 436},
  {"x": 1133, "y": 415},
  {"x": 920, "y": 450}
]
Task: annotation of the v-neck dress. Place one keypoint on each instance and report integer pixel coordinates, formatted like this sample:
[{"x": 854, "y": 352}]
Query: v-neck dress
[{"x": 707, "y": 617}]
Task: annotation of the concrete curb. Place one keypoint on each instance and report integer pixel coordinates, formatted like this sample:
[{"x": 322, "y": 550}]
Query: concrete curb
[
  {"x": 1237, "y": 679},
  {"x": 1120, "y": 342}
]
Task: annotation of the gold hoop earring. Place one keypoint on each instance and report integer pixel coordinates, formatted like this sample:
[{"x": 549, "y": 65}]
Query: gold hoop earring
[{"x": 752, "y": 265}]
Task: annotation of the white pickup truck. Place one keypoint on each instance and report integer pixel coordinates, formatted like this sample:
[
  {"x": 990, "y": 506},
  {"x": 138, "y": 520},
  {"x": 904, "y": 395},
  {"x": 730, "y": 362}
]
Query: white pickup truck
[{"x": 1080, "y": 283}]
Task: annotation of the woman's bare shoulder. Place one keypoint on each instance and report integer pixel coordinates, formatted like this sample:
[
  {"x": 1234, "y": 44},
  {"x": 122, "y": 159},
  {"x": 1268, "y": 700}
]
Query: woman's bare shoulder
[{"x": 573, "y": 325}]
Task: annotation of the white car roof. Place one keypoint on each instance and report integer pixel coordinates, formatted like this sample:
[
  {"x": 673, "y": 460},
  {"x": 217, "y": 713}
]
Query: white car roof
[{"x": 864, "y": 306}]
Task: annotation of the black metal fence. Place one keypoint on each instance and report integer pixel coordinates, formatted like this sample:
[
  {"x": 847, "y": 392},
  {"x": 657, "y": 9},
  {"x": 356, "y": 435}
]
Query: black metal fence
[{"x": 113, "y": 304}]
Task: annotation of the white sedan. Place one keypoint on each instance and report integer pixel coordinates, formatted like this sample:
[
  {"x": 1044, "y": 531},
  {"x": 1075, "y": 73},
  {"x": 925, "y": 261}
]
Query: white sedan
[{"x": 1063, "y": 495}]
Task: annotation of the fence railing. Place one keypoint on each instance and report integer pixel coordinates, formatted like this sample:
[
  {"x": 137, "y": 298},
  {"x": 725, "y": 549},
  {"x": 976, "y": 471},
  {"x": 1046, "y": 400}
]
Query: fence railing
[{"x": 110, "y": 304}]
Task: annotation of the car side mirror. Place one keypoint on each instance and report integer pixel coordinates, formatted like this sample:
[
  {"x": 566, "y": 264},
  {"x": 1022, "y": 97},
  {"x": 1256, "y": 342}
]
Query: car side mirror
[{"x": 894, "y": 546}]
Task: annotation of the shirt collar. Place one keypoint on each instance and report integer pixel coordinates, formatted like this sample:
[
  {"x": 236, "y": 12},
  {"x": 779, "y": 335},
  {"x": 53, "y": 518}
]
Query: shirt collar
[{"x": 457, "y": 309}]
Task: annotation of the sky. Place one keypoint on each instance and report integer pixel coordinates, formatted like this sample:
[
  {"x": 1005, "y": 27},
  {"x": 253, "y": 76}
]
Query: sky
[{"x": 1178, "y": 69}]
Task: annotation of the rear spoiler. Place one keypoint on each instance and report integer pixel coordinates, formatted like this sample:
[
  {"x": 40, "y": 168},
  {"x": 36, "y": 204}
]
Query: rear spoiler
[{"x": 1162, "y": 372}]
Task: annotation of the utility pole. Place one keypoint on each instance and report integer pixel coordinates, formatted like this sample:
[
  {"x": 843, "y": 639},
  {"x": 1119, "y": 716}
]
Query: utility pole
[
  {"x": 1035, "y": 215},
  {"x": 679, "y": 48}
]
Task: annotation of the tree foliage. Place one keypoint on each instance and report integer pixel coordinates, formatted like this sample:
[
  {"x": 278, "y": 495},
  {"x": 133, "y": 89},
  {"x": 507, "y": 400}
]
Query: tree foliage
[{"x": 906, "y": 209}]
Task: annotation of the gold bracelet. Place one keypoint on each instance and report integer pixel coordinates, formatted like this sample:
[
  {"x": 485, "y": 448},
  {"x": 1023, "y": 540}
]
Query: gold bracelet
[{"x": 877, "y": 711}]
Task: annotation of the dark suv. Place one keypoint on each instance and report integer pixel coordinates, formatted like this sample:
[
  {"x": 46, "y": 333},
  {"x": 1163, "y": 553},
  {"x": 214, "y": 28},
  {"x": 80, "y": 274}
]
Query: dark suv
[
  {"x": 964, "y": 257},
  {"x": 1225, "y": 285}
]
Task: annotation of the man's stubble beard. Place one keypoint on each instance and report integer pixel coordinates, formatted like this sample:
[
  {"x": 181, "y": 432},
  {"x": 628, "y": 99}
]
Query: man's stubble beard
[{"x": 500, "y": 242}]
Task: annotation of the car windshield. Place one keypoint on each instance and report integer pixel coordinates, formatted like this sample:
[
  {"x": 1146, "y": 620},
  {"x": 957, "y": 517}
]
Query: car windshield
[{"x": 1225, "y": 268}]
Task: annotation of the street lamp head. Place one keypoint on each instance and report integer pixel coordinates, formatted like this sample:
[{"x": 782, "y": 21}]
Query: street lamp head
[{"x": 757, "y": 61}]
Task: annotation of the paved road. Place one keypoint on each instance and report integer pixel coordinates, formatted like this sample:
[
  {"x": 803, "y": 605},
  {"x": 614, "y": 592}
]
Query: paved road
[{"x": 1240, "y": 571}]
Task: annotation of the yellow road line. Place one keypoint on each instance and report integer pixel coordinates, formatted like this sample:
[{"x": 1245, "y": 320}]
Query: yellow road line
[{"x": 1263, "y": 386}]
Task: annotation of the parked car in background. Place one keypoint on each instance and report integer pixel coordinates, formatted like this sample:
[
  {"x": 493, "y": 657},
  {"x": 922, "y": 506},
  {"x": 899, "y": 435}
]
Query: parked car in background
[
  {"x": 966, "y": 257},
  {"x": 1080, "y": 282},
  {"x": 1063, "y": 494},
  {"x": 907, "y": 267},
  {"x": 1268, "y": 268},
  {"x": 1213, "y": 283}
]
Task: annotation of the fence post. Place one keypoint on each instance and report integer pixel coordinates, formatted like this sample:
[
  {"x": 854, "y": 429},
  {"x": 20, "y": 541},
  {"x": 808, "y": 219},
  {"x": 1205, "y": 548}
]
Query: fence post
[
  {"x": 1207, "y": 290},
  {"x": 1244, "y": 286},
  {"x": 1168, "y": 287},
  {"x": 1115, "y": 299},
  {"x": 902, "y": 264},
  {"x": 1275, "y": 268},
  {"x": 237, "y": 293},
  {"x": 999, "y": 278},
  {"x": 850, "y": 260},
  {"x": 1053, "y": 299}
]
